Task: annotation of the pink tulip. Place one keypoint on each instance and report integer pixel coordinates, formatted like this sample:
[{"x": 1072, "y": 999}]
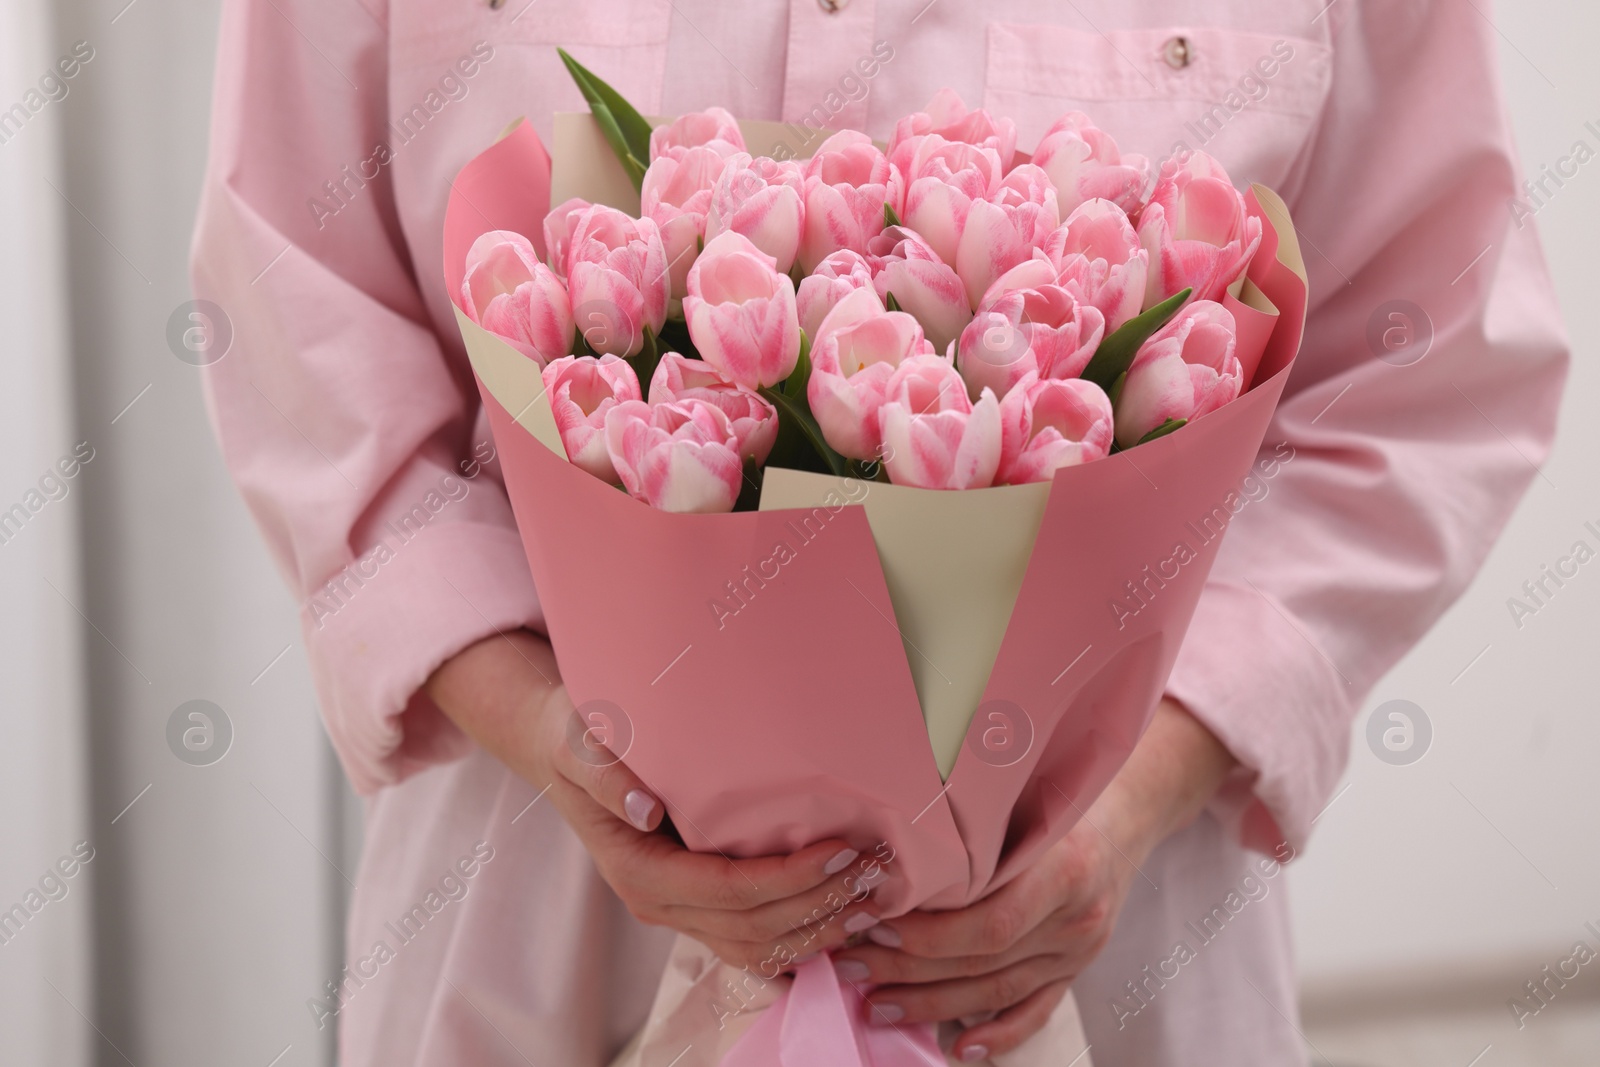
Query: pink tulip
[
  {"x": 764, "y": 200},
  {"x": 923, "y": 284},
  {"x": 847, "y": 184},
  {"x": 509, "y": 292},
  {"x": 1043, "y": 331},
  {"x": 947, "y": 116},
  {"x": 1185, "y": 370},
  {"x": 1100, "y": 261},
  {"x": 617, "y": 278},
  {"x": 676, "y": 195},
  {"x": 836, "y": 277},
  {"x": 754, "y": 421},
  {"x": 681, "y": 456},
  {"x": 1083, "y": 162},
  {"x": 741, "y": 312},
  {"x": 934, "y": 436},
  {"x": 943, "y": 180},
  {"x": 859, "y": 346},
  {"x": 1034, "y": 272},
  {"x": 1050, "y": 423},
  {"x": 1004, "y": 231},
  {"x": 713, "y": 128},
  {"x": 1196, "y": 230},
  {"x": 582, "y": 389},
  {"x": 558, "y": 232}
]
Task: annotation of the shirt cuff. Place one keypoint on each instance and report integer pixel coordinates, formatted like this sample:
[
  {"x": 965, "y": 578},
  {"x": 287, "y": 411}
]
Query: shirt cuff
[
  {"x": 1249, "y": 672},
  {"x": 378, "y": 629}
]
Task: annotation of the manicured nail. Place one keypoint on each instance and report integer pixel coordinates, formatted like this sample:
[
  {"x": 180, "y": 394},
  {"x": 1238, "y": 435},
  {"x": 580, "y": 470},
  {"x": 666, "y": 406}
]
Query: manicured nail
[
  {"x": 840, "y": 861},
  {"x": 639, "y": 805},
  {"x": 974, "y": 1053},
  {"x": 875, "y": 877},
  {"x": 888, "y": 1013},
  {"x": 860, "y": 921},
  {"x": 884, "y": 935},
  {"x": 852, "y": 970}
]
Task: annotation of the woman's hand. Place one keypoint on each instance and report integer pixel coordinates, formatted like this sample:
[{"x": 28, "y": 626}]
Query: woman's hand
[
  {"x": 1016, "y": 951},
  {"x": 505, "y": 693}
]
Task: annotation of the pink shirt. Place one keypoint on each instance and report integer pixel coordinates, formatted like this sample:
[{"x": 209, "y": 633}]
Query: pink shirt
[{"x": 349, "y": 418}]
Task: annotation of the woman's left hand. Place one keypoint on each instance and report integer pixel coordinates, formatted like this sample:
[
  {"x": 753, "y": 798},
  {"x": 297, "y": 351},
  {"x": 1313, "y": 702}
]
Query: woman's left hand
[{"x": 1017, "y": 951}]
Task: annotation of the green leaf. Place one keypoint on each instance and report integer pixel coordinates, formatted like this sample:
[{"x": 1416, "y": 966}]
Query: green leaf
[
  {"x": 1162, "y": 430},
  {"x": 889, "y": 217},
  {"x": 1115, "y": 392},
  {"x": 890, "y": 303},
  {"x": 625, "y": 129},
  {"x": 797, "y": 413},
  {"x": 794, "y": 386},
  {"x": 645, "y": 360},
  {"x": 1116, "y": 352}
]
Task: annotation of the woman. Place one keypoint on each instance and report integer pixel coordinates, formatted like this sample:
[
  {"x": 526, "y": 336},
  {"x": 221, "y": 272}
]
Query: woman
[{"x": 350, "y": 420}]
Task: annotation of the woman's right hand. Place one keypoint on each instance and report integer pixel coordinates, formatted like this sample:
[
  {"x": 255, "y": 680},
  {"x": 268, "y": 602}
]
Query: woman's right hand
[{"x": 505, "y": 693}]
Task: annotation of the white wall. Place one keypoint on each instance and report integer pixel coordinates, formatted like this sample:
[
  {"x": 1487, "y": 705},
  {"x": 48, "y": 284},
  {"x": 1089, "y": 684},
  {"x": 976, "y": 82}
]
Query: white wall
[
  {"x": 45, "y": 976},
  {"x": 1404, "y": 872},
  {"x": 219, "y": 908}
]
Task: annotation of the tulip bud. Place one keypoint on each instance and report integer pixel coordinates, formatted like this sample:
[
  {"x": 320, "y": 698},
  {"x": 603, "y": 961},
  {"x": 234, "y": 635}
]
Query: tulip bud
[
  {"x": 934, "y": 436},
  {"x": 1186, "y": 369},
  {"x": 1042, "y": 331},
  {"x": 858, "y": 347},
  {"x": 741, "y": 313},
  {"x": 847, "y": 185},
  {"x": 676, "y": 195},
  {"x": 617, "y": 277},
  {"x": 764, "y": 200},
  {"x": 582, "y": 389},
  {"x": 508, "y": 292},
  {"x": 836, "y": 277},
  {"x": 1050, "y": 423},
  {"x": 922, "y": 284},
  {"x": 1083, "y": 163},
  {"x": 948, "y": 117},
  {"x": 681, "y": 456},
  {"x": 1099, "y": 260},
  {"x": 1196, "y": 230},
  {"x": 714, "y": 128},
  {"x": 754, "y": 420}
]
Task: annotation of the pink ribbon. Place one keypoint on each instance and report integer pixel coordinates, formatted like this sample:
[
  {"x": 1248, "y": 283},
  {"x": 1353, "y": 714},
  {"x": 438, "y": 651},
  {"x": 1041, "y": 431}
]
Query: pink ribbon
[{"x": 822, "y": 1022}]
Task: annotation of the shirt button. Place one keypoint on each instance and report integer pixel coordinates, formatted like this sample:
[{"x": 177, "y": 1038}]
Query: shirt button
[
  {"x": 833, "y": 7},
  {"x": 1177, "y": 53}
]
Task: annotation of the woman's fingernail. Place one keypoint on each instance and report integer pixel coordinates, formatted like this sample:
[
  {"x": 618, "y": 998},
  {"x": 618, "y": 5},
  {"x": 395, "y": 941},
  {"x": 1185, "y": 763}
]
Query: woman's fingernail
[
  {"x": 860, "y": 921},
  {"x": 875, "y": 878},
  {"x": 639, "y": 805},
  {"x": 883, "y": 935},
  {"x": 888, "y": 1013},
  {"x": 840, "y": 861},
  {"x": 853, "y": 970},
  {"x": 974, "y": 1053}
]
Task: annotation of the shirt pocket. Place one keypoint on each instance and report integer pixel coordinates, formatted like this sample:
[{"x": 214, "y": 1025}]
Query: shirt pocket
[
  {"x": 624, "y": 42},
  {"x": 1249, "y": 99}
]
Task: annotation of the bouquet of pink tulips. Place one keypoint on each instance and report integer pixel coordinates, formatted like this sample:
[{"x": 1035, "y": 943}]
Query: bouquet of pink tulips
[
  {"x": 936, "y": 315},
  {"x": 816, "y": 350}
]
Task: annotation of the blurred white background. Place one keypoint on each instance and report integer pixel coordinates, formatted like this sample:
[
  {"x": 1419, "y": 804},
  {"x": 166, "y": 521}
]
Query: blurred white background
[{"x": 211, "y": 909}]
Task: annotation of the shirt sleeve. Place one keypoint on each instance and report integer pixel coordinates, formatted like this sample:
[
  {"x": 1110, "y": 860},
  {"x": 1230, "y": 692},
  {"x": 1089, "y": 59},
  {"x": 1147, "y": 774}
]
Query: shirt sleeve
[
  {"x": 1400, "y": 472},
  {"x": 356, "y": 443}
]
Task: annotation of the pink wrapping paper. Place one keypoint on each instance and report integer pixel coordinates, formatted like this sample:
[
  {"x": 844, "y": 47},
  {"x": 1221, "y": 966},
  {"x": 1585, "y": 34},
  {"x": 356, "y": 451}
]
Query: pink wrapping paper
[{"x": 797, "y": 719}]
